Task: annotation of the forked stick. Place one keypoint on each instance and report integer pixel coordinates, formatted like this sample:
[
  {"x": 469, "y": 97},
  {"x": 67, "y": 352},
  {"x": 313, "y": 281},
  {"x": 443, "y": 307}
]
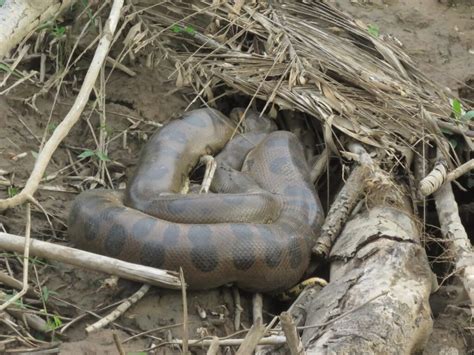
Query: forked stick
[
  {"x": 440, "y": 175},
  {"x": 74, "y": 113}
]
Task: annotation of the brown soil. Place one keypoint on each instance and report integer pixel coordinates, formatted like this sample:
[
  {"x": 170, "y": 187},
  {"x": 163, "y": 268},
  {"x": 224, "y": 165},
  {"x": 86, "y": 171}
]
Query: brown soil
[{"x": 438, "y": 35}]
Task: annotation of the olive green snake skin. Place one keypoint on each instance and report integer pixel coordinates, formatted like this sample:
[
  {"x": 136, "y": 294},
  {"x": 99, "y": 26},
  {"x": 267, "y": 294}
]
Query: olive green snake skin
[{"x": 256, "y": 230}]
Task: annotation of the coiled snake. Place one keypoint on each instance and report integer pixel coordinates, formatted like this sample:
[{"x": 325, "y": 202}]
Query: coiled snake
[{"x": 256, "y": 232}]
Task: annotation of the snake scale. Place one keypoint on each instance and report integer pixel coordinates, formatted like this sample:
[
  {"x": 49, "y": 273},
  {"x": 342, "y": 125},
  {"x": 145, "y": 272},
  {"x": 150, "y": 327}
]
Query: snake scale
[{"x": 256, "y": 231}]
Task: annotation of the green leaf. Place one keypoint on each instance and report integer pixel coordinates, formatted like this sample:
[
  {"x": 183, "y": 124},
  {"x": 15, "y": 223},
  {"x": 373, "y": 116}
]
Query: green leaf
[
  {"x": 59, "y": 31},
  {"x": 102, "y": 156},
  {"x": 469, "y": 115},
  {"x": 373, "y": 30},
  {"x": 37, "y": 261},
  {"x": 12, "y": 191},
  {"x": 45, "y": 293},
  {"x": 52, "y": 126},
  {"x": 176, "y": 29},
  {"x": 457, "y": 108},
  {"x": 55, "y": 322},
  {"x": 34, "y": 154},
  {"x": 2, "y": 2},
  {"x": 86, "y": 154},
  {"x": 5, "y": 67},
  {"x": 190, "y": 30}
]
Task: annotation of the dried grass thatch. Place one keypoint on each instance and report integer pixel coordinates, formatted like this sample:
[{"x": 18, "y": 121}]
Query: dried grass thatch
[{"x": 305, "y": 56}]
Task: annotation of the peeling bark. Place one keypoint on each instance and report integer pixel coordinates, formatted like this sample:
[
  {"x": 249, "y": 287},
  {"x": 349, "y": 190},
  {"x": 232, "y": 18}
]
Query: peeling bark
[
  {"x": 455, "y": 233},
  {"x": 19, "y": 17},
  {"x": 377, "y": 298}
]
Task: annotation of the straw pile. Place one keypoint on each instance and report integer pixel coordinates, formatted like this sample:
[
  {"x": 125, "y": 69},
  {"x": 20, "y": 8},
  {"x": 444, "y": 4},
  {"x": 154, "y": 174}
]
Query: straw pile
[{"x": 305, "y": 56}]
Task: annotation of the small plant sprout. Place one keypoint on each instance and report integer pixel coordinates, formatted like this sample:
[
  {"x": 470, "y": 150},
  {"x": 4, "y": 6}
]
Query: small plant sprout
[
  {"x": 54, "y": 322},
  {"x": 456, "y": 107},
  {"x": 91, "y": 153},
  {"x": 52, "y": 126},
  {"x": 187, "y": 29},
  {"x": 12, "y": 191},
  {"x": 373, "y": 30}
]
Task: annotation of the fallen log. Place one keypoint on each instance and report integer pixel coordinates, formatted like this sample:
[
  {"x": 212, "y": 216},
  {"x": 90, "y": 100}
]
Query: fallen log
[
  {"x": 19, "y": 17},
  {"x": 91, "y": 261},
  {"x": 454, "y": 232},
  {"x": 380, "y": 282}
]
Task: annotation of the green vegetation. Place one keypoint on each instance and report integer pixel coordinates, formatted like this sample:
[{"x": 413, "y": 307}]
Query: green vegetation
[
  {"x": 373, "y": 30},
  {"x": 92, "y": 153}
]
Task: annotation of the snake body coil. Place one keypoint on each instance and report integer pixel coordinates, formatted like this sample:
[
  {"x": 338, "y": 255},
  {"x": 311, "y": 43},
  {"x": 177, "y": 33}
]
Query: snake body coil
[{"x": 209, "y": 236}]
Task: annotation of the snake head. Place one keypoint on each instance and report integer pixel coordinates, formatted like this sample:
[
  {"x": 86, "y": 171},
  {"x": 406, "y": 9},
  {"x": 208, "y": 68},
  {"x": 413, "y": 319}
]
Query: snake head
[{"x": 253, "y": 121}]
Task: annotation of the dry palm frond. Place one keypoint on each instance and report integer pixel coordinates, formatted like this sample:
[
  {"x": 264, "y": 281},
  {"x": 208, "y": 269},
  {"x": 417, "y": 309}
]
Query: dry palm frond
[{"x": 305, "y": 56}]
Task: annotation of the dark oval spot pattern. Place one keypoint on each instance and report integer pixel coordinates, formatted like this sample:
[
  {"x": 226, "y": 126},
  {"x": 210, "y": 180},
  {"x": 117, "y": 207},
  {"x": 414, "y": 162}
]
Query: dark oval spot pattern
[
  {"x": 294, "y": 252},
  {"x": 242, "y": 249},
  {"x": 143, "y": 227},
  {"x": 92, "y": 227},
  {"x": 115, "y": 240},
  {"x": 177, "y": 207},
  {"x": 278, "y": 165},
  {"x": 153, "y": 253},
  {"x": 273, "y": 249},
  {"x": 93, "y": 223},
  {"x": 171, "y": 235},
  {"x": 203, "y": 252}
]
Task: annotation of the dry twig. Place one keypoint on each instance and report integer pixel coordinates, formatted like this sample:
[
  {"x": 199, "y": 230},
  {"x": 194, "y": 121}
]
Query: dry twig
[
  {"x": 121, "y": 309},
  {"x": 91, "y": 261},
  {"x": 73, "y": 115},
  {"x": 26, "y": 257},
  {"x": 185, "y": 311},
  {"x": 270, "y": 340},
  {"x": 252, "y": 339},
  {"x": 439, "y": 176},
  {"x": 345, "y": 201},
  {"x": 213, "y": 347},
  {"x": 118, "y": 344},
  {"x": 293, "y": 340},
  {"x": 454, "y": 232}
]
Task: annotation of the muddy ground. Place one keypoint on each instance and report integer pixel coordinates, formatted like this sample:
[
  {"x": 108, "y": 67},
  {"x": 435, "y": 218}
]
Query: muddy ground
[{"x": 438, "y": 35}]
